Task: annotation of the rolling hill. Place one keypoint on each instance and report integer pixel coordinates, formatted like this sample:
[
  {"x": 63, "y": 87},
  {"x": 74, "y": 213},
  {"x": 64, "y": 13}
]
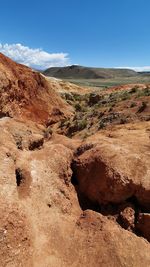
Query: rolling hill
[{"x": 80, "y": 72}]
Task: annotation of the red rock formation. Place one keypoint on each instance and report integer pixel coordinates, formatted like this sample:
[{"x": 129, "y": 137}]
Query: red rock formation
[
  {"x": 117, "y": 167},
  {"x": 26, "y": 94}
]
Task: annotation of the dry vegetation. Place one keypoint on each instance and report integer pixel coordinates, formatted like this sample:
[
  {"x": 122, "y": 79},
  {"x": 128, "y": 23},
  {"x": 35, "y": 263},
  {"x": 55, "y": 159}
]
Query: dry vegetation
[{"x": 95, "y": 111}]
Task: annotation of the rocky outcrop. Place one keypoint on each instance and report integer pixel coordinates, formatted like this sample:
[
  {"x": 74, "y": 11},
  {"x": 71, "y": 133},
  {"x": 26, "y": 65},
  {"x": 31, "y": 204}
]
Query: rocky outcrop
[
  {"x": 26, "y": 94},
  {"x": 111, "y": 176},
  {"x": 116, "y": 168}
]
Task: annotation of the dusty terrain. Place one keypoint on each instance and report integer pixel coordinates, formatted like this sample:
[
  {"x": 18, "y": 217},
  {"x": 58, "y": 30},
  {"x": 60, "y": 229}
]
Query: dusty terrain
[{"x": 67, "y": 199}]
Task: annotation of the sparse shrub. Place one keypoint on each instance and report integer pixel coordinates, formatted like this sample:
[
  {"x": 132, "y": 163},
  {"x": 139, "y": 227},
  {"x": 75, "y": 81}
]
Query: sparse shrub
[
  {"x": 76, "y": 125},
  {"x": 114, "y": 97},
  {"x": 86, "y": 135},
  {"x": 82, "y": 125},
  {"x": 144, "y": 92},
  {"x": 78, "y": 107},
  {"x": 81, "y": 107},
  {"x": 125, "y": 95},
  {"x": 133, "y": 104},
  {"x": 113, "y": 105},
  {"x": 123, "y": 120},
  {"x": 103, "y": 102},
  {"x": 101, "y": 114},
  {"x": 69, "y": 102},
  {"x": 98, "y": 105},
  {"x": 101, "y": 125},
  {"x": 48, "y": 132},
  {"x": 133, "y": 90},
  {"x": 84, "y": 109},
  {"x": 65, "y": 122},
  {"x": 94, "y": 98},
  {"x": 110, "y": 109},
  {"x": 77, "y": 97},
  {"x": 94, "y": 113},
  {"x": 81, "y": 149},
  {"x": 142, "y": 107},
  {"x": 68, "y": 96}
]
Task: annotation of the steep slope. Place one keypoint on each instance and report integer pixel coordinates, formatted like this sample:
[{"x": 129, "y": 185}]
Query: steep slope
[
  {"x": 80, "y": 72},
  {"x": 66, "y": 87},
  {"x": 26, "y": 94}
]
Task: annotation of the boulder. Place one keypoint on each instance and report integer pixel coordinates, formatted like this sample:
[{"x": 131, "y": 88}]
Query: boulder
[{"x": 116, "y": 168}]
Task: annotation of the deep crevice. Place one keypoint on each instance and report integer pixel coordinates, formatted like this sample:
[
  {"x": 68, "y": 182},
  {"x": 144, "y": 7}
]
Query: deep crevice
[
  {"x": 85, "y": 203},
  {"x": 23, "y": 181},
  {"x": 111, "y": 210},
  {"x": 4, "y": 115},
  {"x": 74, "y": 179},
  {"x": 36, "y": 144},
  {"x": 19, "y": 177}
]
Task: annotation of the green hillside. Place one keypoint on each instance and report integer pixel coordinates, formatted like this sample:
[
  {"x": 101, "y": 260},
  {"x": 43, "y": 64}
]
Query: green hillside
[{"x": 80, "y": 72}]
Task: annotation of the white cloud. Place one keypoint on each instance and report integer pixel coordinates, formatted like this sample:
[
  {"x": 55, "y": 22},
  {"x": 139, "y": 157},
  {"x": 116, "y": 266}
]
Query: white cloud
[
  {"x": 36, "y": 58},
  {"x": 145, "y": 68}
]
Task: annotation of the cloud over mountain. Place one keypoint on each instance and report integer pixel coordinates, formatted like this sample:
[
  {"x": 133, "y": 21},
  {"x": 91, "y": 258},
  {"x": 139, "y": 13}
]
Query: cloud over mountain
[
  {"x": 144, "y": 68},
  {"x": 36, "y": 58}
]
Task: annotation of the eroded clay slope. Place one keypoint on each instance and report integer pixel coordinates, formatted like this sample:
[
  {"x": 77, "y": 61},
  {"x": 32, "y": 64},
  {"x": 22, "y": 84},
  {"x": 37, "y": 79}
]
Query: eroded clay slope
[
  {"x": 26, "y": 94},
  {"x": 116, "y": 166},
  {"x": 111, "y": 171},
  {"x": 42, "y": 221}
]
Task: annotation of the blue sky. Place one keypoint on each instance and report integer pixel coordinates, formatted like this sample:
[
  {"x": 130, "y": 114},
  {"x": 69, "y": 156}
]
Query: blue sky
[{"x": 103, "y": 33}]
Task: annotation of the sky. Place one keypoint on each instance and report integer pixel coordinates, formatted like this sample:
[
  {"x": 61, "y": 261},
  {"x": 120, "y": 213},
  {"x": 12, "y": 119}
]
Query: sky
[{"x": 96, "y": 33}]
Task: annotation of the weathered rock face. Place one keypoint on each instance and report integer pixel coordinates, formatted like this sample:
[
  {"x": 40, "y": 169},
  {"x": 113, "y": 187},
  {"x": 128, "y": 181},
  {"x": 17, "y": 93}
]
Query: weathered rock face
[
  {"x": 45, "y": 220},
  {"x": 26, "y": 94},
  {"x": 116, "y": 168}
]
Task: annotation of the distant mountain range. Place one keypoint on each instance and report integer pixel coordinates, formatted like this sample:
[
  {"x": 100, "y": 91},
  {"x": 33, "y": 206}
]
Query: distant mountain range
[
  {"x": 80, "y": 72},
  {"x": 144, "y": 73}
]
